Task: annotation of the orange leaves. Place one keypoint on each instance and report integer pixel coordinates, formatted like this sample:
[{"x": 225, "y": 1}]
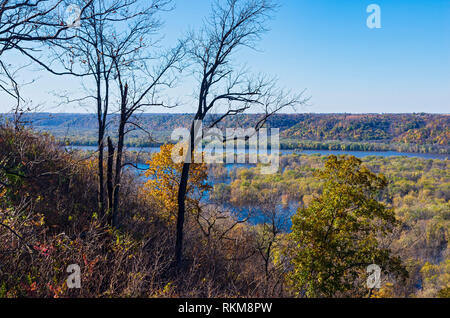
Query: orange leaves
[
  {"x": 89, "y": 264},
  {"x": 56, "y": 290},
  {"x": 164, "y": 178}
]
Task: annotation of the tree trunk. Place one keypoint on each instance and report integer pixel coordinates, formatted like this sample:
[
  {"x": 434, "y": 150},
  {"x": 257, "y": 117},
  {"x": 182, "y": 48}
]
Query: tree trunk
[
  {"x": 109, "y": 179},
  {"x": 181, "y": 212},
  {"x": 120, "y": 144},
  {"x": 182, "y": 196},
  {"x": 101, "y": 136},
  {"x": 101, "y": 193}
]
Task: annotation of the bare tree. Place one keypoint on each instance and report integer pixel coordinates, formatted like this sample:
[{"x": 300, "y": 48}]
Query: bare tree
[
  {"x": 87, "y": 51},
  {"x": 138, "y": 85},
  {"x": 24, "y": 25},
  {"x": 223, "y": 88},
  {"x": 274, "y": 220}
]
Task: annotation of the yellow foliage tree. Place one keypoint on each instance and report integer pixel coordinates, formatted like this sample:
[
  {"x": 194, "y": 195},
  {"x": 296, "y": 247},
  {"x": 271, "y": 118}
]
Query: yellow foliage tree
[
  {"x": 164, "y": 179},
  {"x": 436, "y": 279},
  {"x": 387, "y": 291}
]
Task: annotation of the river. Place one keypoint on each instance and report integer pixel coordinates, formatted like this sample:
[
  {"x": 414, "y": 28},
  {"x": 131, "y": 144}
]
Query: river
[
  {"x": 358, "y": 154},
  {"x": 292, "y": 207}
]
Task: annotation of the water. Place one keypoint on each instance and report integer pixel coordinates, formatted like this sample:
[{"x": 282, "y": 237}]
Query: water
[
  {"x": 362, "y": 154},
  {"x": 358, "y": 154},
  {"x": 254, "y": 219}
]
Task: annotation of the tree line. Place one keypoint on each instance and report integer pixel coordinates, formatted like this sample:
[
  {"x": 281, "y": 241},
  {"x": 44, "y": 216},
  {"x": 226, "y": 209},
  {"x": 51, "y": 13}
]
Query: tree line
[{"x": 424, "y": 133}]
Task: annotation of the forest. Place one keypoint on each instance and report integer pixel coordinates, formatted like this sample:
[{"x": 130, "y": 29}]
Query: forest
[
  {"x": 108, "y": 221},
  {"x": 417, "y": 190},
  {"x": 424, "y": 133},
  {"x": 241, "y": 226}
]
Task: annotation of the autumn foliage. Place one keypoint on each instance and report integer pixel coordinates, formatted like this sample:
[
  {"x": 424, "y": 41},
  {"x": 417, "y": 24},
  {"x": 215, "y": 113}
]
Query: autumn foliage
[{"x": 164, "y": 179}]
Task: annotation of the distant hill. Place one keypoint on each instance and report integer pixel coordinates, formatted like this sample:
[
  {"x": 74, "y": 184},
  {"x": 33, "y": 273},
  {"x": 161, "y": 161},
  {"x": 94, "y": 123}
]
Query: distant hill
[
  {"x": 296, "y": 129},
  {"x": 406, "y": 128}
]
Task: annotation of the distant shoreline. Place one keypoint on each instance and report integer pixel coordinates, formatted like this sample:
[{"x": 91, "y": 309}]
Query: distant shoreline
[
  {"x": 145, "y": 151},
  {"x": 400, "y": 132},
  {"x": 315, "y": 145}
]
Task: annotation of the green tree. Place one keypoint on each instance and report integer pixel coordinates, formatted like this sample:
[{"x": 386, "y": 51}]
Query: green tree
[{"x": 338, "y": 235}]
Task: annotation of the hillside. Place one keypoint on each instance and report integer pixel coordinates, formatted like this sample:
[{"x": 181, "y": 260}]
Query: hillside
[
  {"x": 405, "y": 128},
  {"x": 47, "y": 196},
  {"x": 404, "y": 132}
]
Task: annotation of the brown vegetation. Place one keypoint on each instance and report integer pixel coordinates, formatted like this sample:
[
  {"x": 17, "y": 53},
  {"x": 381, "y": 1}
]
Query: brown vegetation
[{"x": 49, "y": 221}]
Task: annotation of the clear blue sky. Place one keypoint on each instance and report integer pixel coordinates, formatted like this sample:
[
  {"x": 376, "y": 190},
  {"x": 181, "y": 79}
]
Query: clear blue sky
[{"x": 326, "y": 47}]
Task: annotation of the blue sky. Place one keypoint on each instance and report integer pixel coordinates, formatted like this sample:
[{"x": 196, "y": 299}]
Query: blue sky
[{"x": 326, "y": 47}]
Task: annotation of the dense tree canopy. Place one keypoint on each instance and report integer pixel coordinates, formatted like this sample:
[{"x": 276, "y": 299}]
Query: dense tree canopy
[{"x": 336, "y": 236}]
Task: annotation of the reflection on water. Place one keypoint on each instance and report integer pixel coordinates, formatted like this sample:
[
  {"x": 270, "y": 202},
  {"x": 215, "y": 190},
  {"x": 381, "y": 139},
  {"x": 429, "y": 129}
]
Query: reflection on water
[{"x": 358, "y": 154}]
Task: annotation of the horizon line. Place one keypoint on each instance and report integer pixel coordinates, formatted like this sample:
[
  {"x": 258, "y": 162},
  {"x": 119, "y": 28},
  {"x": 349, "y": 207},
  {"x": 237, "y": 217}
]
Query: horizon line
[{"x": 185, "y": 113}]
